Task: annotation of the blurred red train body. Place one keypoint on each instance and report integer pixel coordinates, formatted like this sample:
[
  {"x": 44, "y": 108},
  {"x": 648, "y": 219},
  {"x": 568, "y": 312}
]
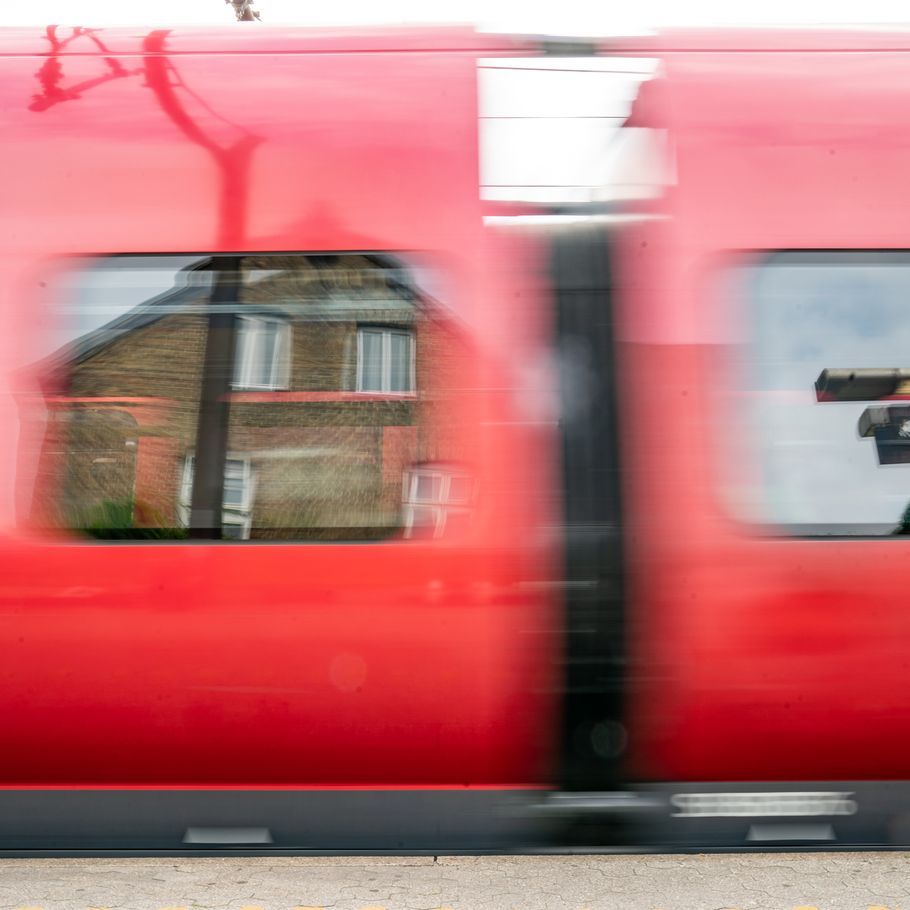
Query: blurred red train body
[
  {"x": 743, "y": 654},
  {"x": 785, "y": 650}
]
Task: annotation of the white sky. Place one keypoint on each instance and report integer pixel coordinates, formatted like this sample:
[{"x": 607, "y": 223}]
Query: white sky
[{"x": 581, "y": 17}]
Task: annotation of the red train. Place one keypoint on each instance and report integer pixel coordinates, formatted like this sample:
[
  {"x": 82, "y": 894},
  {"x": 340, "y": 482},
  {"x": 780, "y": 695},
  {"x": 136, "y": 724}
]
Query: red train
[{"x": 340, "y": 515}]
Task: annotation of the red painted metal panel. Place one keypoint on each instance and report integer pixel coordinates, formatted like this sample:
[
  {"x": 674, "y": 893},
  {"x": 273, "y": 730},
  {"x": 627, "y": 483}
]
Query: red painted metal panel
[
  {"x": 263, "y": 38},
  {"x": 763, "y": 658}
]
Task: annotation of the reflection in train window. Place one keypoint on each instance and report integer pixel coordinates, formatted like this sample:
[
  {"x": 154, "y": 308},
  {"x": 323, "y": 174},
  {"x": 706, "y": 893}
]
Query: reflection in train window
[
  {"x": 261, "y": 358},
  {"x": 236, "y": 502},
  {"x": 824, "y": 428},
  {"x": 219, "y": 397},
  {"x": 436, "y": 500},
  {"x": 385, "y": 360}
]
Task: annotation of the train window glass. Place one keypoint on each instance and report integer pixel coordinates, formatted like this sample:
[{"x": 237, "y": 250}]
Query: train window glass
[
  {"x": 385, "y": 360},
  {"x": 823, "y": 407},
  {"x": 185, "y": 387}
]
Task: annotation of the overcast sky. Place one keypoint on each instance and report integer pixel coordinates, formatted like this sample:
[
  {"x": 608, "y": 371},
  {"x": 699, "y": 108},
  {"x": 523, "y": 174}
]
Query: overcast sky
[{"x": 563, "y": 17}]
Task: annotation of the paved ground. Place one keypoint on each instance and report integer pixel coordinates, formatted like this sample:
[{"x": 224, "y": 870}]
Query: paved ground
[{"x": 826, "y": 881}]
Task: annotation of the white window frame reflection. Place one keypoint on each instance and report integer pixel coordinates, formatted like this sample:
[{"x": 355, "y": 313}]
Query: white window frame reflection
[
  {"x": 432, "y": 512},
  {"x": 385, "y": 380},
  {"x": 249, "y": 365},
  {"x": 235, "y": 515}
]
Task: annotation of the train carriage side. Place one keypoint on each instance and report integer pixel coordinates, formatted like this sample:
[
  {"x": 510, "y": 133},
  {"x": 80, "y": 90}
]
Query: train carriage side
[{"x": 763, "y": 429}]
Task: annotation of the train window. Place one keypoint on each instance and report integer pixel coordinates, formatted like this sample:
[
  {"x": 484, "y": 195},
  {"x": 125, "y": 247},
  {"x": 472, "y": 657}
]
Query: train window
[
  {"x": 220, "y": 397},
  {"x": 826, "y": 406}
]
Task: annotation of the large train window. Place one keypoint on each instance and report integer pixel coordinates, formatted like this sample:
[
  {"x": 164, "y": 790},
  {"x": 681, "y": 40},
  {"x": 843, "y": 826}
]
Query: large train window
[
  {"x": 258, "y": 397},
  {"x": 826, "y": 407}
]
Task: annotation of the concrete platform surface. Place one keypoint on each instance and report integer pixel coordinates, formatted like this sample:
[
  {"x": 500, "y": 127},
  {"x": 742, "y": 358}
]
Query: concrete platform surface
[{"x": 827, "y": 881}]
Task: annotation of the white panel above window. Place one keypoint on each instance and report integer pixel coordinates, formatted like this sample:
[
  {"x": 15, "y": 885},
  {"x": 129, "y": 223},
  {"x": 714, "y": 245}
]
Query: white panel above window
[{"x": 548, "y": 126}]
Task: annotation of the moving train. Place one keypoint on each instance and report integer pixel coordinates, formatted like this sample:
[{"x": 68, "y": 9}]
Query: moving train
[{"x": 344, "y": 510}]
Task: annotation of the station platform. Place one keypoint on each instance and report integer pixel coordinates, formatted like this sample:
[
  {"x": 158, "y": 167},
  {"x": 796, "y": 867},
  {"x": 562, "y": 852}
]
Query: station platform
[{"x": 753, "y": 881}]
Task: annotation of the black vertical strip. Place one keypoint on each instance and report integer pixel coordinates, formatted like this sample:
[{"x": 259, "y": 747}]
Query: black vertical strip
[
  {"x": 214, "y": 404},
  {"x": 594, "y": 736}
]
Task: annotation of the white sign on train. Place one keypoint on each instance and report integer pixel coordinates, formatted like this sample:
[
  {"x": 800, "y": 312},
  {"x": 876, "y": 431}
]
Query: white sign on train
[{"x": 745, "y": 805}]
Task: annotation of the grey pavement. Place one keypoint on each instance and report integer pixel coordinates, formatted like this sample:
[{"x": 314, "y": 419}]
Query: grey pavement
[{"x": 827, "y": 881}]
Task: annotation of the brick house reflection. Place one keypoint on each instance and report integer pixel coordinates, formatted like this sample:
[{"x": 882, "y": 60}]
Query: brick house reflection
[{"x": 338, "y": 429}]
